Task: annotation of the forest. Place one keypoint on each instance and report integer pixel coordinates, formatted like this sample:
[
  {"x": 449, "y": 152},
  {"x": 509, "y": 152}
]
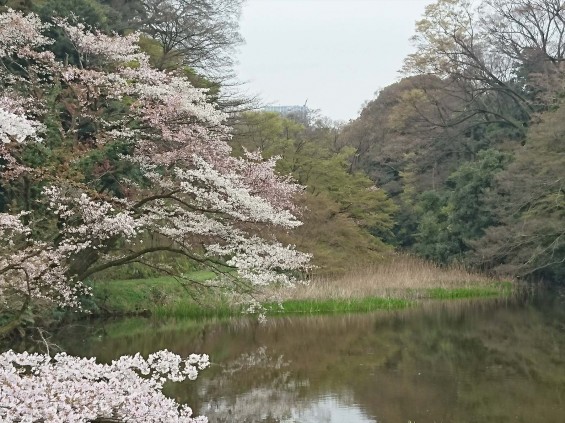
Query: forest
[{"x": 128, "y": 152}]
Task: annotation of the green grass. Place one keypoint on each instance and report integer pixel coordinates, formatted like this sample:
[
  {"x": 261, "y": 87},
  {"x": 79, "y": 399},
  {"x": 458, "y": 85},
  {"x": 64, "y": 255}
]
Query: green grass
[
  {"x": 499, "y": 289},
  {"x": 166, "y": 297},
  {"x": 353, "y": 305},
  {"x": 131, "y": 295}
]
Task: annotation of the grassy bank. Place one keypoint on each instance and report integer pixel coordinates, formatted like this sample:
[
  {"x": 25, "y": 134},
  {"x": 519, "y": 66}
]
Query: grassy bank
[
  {"x": 134, "y": 295},
  {"x": 354, "y": 305},
  {"x": 195, "y": 310},
  {"x": 399, "y": 283}
]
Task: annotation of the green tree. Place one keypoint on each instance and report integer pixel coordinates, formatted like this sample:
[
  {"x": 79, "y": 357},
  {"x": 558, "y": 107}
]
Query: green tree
[
  {"x": 451, "y": 219},
  {"x": 469, "y": 214},
  {"x": 348, "y": 219},
  {"x": 529, "y": 201}
]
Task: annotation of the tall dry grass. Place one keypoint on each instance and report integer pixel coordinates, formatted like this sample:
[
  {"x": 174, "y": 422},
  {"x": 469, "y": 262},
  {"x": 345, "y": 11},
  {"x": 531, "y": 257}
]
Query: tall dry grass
[{"x": 400, "y": 276}]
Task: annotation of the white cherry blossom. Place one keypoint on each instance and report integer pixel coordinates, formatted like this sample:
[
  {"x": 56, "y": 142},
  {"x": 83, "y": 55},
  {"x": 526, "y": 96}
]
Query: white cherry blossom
[{"x": 38, "y": 388}]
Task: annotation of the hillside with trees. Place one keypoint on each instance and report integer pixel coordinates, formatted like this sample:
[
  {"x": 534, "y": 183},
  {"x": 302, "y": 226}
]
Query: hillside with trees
[{"x": 469, "y": 143}]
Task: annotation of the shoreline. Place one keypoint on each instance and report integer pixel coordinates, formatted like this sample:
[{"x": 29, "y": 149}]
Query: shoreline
[{"x": 219, "y": 306}]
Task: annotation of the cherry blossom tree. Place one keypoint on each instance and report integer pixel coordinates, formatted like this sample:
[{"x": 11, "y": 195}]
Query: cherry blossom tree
[
  {"x": 183, "y": 187},
  {"x": 65, "y": 130}
]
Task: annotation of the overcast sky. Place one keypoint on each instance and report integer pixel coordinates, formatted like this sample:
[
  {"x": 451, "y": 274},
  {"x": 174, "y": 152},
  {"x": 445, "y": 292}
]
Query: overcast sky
[{"x": 335, "y": 53}]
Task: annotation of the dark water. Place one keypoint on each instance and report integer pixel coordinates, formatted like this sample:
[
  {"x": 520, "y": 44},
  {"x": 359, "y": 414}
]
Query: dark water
[{"x": 486, "y": 361}]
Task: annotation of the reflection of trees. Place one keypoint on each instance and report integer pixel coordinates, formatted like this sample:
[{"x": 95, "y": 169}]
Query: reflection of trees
[
  {"x": 262, "y": 404},
  {"x": 278, "y": 406},
  {"x": 272, "y": 393},
  {"x": 456, "y": 361},
  {"x": 254, "y": 360},
  {"x": 470, "y": 365},
  {"x": 267, "y": 398}
]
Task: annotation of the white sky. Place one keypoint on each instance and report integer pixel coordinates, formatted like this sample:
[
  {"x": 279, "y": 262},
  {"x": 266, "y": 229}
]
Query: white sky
[{"x": 335, "y": 53}]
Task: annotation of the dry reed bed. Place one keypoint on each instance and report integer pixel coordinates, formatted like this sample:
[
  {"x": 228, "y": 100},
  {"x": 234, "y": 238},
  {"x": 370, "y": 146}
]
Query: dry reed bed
[{"x": 399, "y": 277}]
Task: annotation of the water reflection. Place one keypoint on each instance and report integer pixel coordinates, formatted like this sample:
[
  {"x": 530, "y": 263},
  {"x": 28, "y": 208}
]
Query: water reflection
[
  {"x": 488, "y": 361},
  {"x": 329, "y": 409}
]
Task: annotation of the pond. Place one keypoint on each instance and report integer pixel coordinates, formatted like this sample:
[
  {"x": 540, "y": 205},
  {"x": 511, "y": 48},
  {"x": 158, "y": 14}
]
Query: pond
[{"x": 459, "y": 361}]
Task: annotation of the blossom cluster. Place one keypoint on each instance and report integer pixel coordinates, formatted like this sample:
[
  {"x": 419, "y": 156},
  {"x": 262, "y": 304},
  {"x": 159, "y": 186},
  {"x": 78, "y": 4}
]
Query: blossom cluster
[
  {"x": 33, "y": 269},
  {"x": 15, "y": 127},
  {"x": 18, "y": 30},
  {"x": 95, "y": 43},
  {"x": 38, "y": 388},
  {"x": 88, "y": 223}
]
